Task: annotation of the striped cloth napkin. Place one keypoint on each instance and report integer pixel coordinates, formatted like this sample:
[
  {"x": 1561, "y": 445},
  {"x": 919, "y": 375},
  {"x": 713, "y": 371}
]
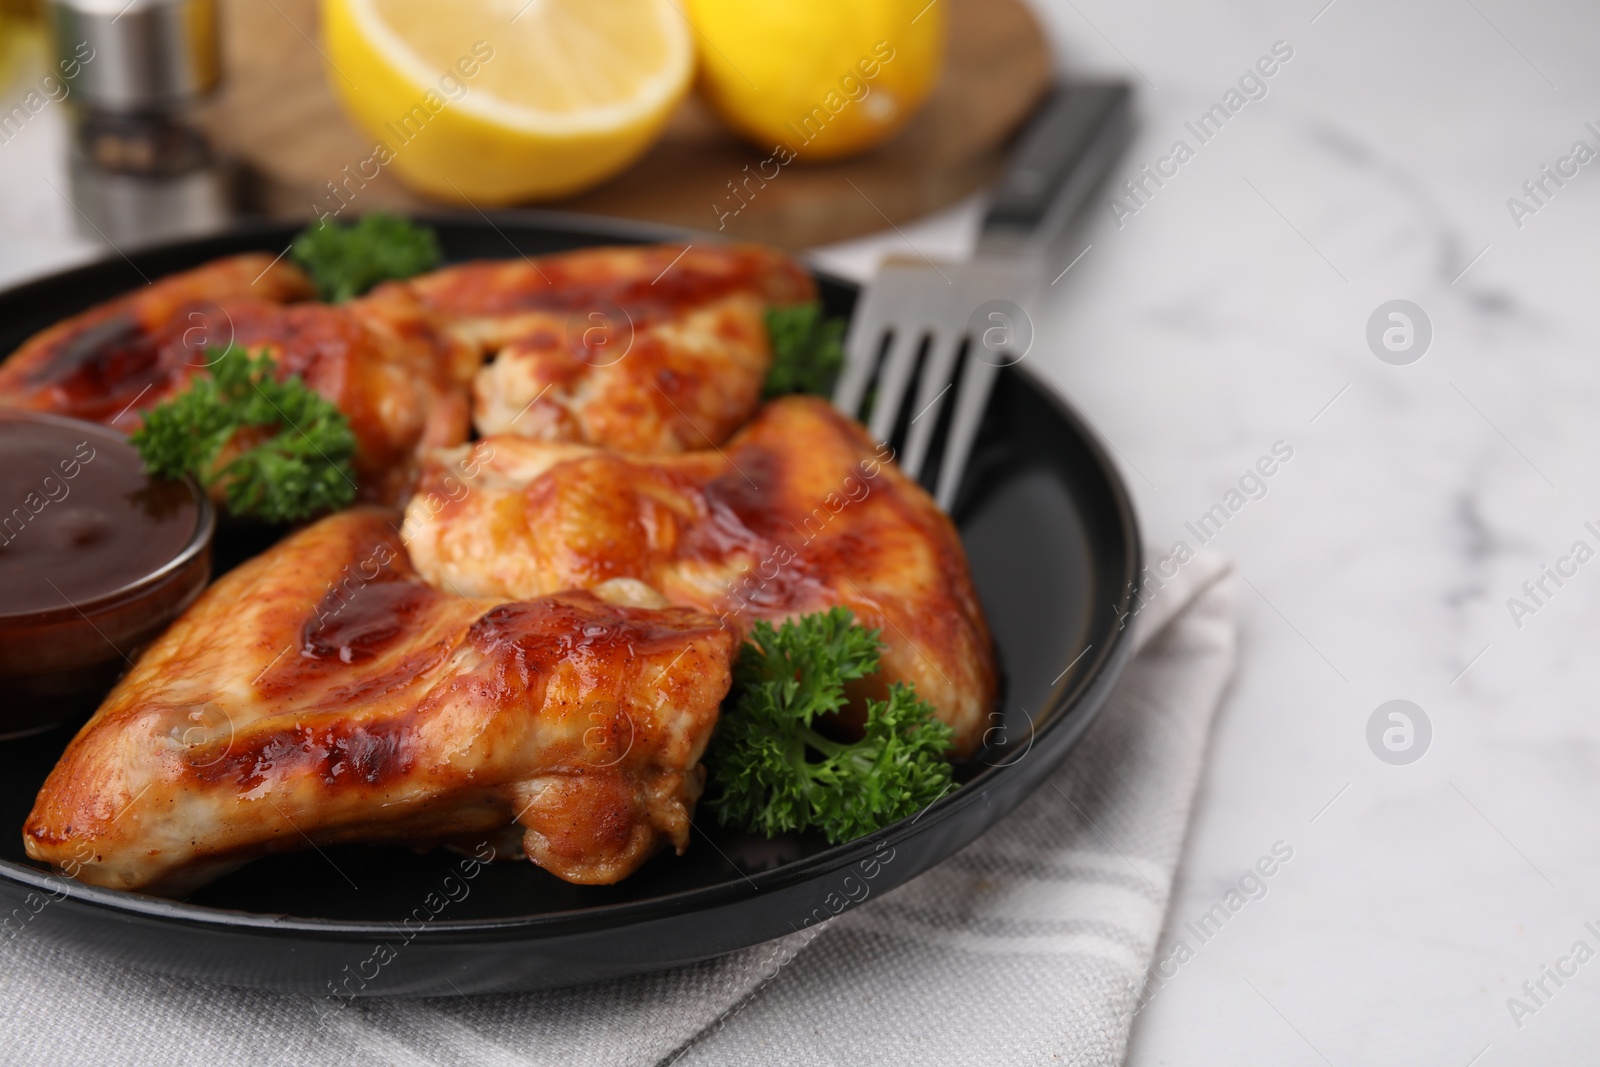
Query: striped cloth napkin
[{"x": 1029, "y": 946}]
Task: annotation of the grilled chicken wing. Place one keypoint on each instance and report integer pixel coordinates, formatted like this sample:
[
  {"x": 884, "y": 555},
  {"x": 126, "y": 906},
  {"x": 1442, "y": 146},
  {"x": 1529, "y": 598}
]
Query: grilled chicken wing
[
  {"x": 797, "y": 513},
  {"x": 402, "y": 384},
  {"x": 321, "y": 694},
  {"x": 130, "y": 353},
  {"x": 646, "y": 349}
]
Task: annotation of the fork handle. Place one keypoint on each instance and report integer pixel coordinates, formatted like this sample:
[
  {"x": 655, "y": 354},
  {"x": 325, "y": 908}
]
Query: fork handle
[{"x": 1066, "y": 150}]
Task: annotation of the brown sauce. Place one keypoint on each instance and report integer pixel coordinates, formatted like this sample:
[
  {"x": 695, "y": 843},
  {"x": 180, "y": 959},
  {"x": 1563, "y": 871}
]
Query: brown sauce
[
  {"x": 79, "y": 518},
  {"x": 357, "y": 629},
  {"x": 101, "y": 362}
]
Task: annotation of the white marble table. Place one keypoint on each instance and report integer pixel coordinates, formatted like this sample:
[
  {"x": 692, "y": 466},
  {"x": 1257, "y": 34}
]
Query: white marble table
[{"x": 1230, "y": 313}]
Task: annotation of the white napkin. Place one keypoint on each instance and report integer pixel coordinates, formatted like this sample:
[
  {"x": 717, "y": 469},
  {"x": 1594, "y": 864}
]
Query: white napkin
[{"x": 1028, "y": 946}]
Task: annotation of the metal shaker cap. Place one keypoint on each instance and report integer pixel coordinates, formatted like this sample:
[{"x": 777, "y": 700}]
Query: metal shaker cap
[{"x": 133, "y": 55}]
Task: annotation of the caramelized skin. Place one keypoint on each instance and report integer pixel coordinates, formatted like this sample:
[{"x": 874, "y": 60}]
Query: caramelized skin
[
  {"x": 645, "y": 349},
  {"x": 403, "y": 384},
  {"x": 130, "y": 353},
  {"x": 796, "y": 514},
  {"x": 321, "y": 693}
]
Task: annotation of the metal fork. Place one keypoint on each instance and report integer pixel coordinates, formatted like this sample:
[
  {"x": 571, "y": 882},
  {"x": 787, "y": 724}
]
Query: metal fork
[{"x": 920, "y": 314}]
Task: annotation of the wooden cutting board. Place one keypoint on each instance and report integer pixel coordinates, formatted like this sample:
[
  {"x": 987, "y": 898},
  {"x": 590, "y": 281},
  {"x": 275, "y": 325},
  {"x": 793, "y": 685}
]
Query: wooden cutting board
[{"x": 278, "y": 115}]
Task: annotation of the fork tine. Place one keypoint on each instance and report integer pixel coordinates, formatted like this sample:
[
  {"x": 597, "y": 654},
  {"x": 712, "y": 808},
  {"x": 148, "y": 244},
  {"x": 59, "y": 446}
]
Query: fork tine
[
  {"x": 895, "y": 380},
  {"x": 977, "y": 380},
  {"x": 861, "y": 344},
  {"x": 931, "y": 397}
]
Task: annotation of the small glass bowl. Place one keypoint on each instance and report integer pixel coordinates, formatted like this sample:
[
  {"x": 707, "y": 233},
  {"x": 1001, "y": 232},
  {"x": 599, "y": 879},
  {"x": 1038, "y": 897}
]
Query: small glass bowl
[{"x": 58, "y": 664}]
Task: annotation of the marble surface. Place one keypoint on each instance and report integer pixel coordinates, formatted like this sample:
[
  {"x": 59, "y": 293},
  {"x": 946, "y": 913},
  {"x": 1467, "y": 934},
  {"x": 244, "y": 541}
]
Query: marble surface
[{"x": 1229, "y": 313}]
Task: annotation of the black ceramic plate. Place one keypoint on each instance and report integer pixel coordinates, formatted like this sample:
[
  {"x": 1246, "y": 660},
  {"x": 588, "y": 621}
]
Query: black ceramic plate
[{"x": 1054, "y": 547}]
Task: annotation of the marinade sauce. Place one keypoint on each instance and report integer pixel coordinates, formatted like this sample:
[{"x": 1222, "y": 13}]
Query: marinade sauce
[{"x": 79, "y": 518}]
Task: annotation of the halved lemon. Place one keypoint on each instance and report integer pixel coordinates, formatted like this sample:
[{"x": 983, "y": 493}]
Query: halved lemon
[{"x": 495, "y": 101}]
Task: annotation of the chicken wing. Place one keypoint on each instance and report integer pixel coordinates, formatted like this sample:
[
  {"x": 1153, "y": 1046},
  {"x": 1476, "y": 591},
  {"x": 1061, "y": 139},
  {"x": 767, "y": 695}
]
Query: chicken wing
[
  {"x": 645, "y": 349},
  {"x": 403, "y": 385},
  {"x": 321, "y": 693},
  {"x": 798, "y": 513},
  {"x": 130, "y": 353}
]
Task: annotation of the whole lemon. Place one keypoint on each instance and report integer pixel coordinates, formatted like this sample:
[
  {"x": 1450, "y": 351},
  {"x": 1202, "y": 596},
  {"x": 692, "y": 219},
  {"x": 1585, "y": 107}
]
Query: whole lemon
[{"x": 824, "y": 78}]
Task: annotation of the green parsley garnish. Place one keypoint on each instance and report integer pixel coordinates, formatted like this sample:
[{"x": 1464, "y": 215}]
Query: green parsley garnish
[
  {"x": 298, "y": 462},
  {"x": 807, "y": 350},
  {"x": 773, "y": 772},
  {"x": 346, "y": 261}
]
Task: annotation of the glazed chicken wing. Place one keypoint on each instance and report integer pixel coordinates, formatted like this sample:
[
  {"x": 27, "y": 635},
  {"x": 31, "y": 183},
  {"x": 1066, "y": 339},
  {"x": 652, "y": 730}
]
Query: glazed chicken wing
[
  {"x": 402, "y": 384},
  {"x": 645, "y": 349},
  {"x": 796, "y": 514},
  {"x": 130, "y": 353},
  {"x": 322, "y": 694}
]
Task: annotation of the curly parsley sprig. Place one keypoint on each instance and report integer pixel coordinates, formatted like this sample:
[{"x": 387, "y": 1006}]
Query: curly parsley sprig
[
  {"x": 772, "y": 771},
  {"x": 346, "y": 261},
  {"x": 279, "y": 450},
  {"x": 807, "y": 350}
]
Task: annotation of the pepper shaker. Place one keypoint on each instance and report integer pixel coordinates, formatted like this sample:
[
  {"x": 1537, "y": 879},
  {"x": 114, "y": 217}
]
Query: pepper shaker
[{"x": 141, "y": 168}]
